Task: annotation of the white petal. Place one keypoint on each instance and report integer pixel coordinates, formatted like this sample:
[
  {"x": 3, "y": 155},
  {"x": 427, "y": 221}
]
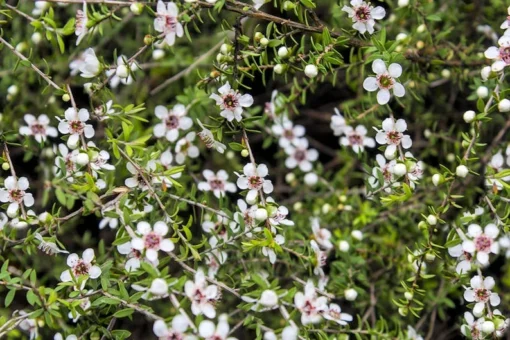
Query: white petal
[
  {"x": 383, "y": 96},
  {"x": 379, "y": 66},
  {"x": 399, "y": 90},
  {"x": 88, "y": 255},
  {"x": 94, "y": 272},
  {"x": 370, "y": 84},
  {"x": 395, "y": 70}
]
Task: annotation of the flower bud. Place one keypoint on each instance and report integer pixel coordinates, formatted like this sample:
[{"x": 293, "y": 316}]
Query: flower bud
[
  {"x": 408, "y": 295},
  {"x": 343, "y": 246},
  {"x": 357, "y": 234},
  {"x": 432, "y": 220},
  {"x": 122, "y": 71},
  {"x": 326, "y": 208},
  {"x": 225, "y": 48},
  {"x": 350, "y": 294},
  {"x": 82, "y": 159},
  {"x": 504, "y": 105},
  {"x": 283, "y": 52},
  {"x": 311, "y": 179},
  {"x": 420, "y": 44},
  {"x": 488, "y": 327},
  {"x": 485, "y": 73},
  {"x": 400, "y": 36},
  {"x": 13, "y": 90},
  {"x": 446, "y": 73},
  {"x": 288, "y": 5},
  {"x": 36, "y": 38},
  {"x": 450, "y": 157},
  {"x": 437, "y": 179},
  {"x": 462, "y": 171},
  {"x": 148, "y": 39},
  {"x": 469, "y": 116},
  {"x": 311, "y": 71},
  {"x": 21, "y": 46},
  {"x": 136, "y": 8},
  {"x": 45, "y": 217},
  {"x": 429, "y": 257},
  {"x": 421, "y": 28},
  {"x": 403, "y": 3},
  {"x": 5, "y": 166},
  {"x": 402, "y": 311},
  {"x": 278, "y": 68},
  {"x": 390, "y": 155},
  {"x": 482, "y": 92},
  {"x": 264, "y": 41},
  {"x": 399, "y": 169},
  {"x": 290, "y": 177},
  {"x": 268, "y": 298},
  {"x": 261, "y": 214},
  {"x": 158, "y": 54},
  {"x": 298, "y": 206},
  {"x": 66, "y": 97},
  {"x": 245, "y": 153},
  {"x": 159, "y": 287},
  {"x": 258, "y": 36}
]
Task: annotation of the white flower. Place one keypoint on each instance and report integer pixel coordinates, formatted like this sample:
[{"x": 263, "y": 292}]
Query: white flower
[
  {"x": 209, "y": 331},
  {"x": 185, "y": 148},
  {"x": 167, "y": 22},
  {"x": 356, "y": 138},
  {"x": 335, "y": 314},
  {"x": 137, "y": 180},
  {"x": 217, "y": 183},
  {"x": 483, "y": 242},
  {"x": 386, "y": 169},
  {"x": 134, "y": 256},
  {"x": 59, "y": 336},
  {"x": 81, "y": 266},
  {"x": 15, "y": 194},
  {"x": 363, "y": 15},
  {"x": 480, "y": 293},
  {"x": 500, "y": 55},
  {"x": 207, "y": 137},
  {"x": 121, "y": 74},
  {"x": 179, "y": 327},
  {"x": 202, "y": 296},
  {"x": 90, "y": 65},
  {"x": 384, "y": 81},
  {"x": 311, "y": 71},
  {"x": 152, "y": 239},
  {"x": 28, "y": 325},
  {"x": 412, "y": 334},
  {"x": 253, "y": 180},
  {"x": 506, "y": 23},
  {"x": 85, "y": 304},
  {"x": 268, "y": 300},
  {"x": 464, "y": 266},
  {"x": 300, "y": 155},
  {"x": 246, "y": 214},
  {"x": 269, "y": 252},
  {"x": 392, "y": 134},
  {"x": 81, "y": 28},
  {"x": 172, "y": 121},
  {"x": 321, "y": 235},
  {"x": 270, "y": 107},
  {"x": 3, "y": 220},
  {"x": 338, "y": 123},
  {"x": 279, "y": 216},
  {"x": 49, "y": 248},
  {"x": 75, "y": 125},
  {"x": 288, "y": 133},
  {"x": 100, "y": 161},
  {"x": 38, "y": 127},
  {"x": 472, "y": 328},
  {"x": 231, "y": 102},
  {"x": 311, "y": 307}
]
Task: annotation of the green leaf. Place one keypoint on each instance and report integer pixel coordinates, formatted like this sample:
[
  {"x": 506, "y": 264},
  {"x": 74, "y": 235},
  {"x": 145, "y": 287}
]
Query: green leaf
[
  {"x": 9, "y": 297},
  {"x": 434, "y": 17},
  {"x": 124, "y": 313}
]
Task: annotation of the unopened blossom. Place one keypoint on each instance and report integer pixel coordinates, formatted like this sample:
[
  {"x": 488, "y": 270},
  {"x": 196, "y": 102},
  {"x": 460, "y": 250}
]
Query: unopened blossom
[
  {"x": 335, "y": 314},
  {"x": 203, "y": 297},
  {"x": 217, "y": 183},
  {"x": 299, "y": 155},
  {"x": 288, "y": 133},
  {"x": 75, "y": 125},
  {"x": 14, "y": 193},
  {"x": 152, "y": 239},
  {"x": 59, "y": 336},
  {"x": 209, "y": 331},
  {"x": 81, "y": 28},
  {"x": 177, "y": 331},
  {"x": 482, "y": 242},
  {"x": 47, "y": 247},
  {"x": 269, "y": 251},
  {"x": 321, "y": 235},
  {"x": 207, "y": 137},
  {"x": 357, "y": 139},
  {"x": 311, "y": 306},
  {"x": 338, "y": 123},
  {"x": 412, "y": 334},
  {"x": 270, "y": 107},
  {"x": 481, "y": 293},
  {"x": 500, "y": 55},
  {"x": 171, "y": 122},
  {"x": 28, "y": 325},
  {"x": 81, "y": 266},
  {"x": 392, "y": 134},
  {"x": 38, "y": 127},
  {"x": 39, "y": 7},
  {"x": 385, "y": 80},
  {"x": 268, "y": 300},
  {"x": 122, "y": 73},
  {"x": 465, "y": 259},
  {"x": 231, "y": 102},
  {"x": 90, "y": 65},
  {"x": 138, "y": 180},
  {"x": 185, "y": 148},
  {"x": 167, "y": 22},
  {"x": 386, "y": 170},
  {"x": 472, "y": 328},
  {"x": 253, "y": 180},
  {"x": 364, "y": 15},
  {"x": 414, "y": 169}
]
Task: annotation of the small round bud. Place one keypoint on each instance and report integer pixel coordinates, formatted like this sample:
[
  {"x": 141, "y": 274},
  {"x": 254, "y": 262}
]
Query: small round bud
[
  {"x": 122, "y": 71},
  {"x": 22, "y": 46},
  {"x": 488, "y": 327},
  {"x": 429, "y": 257},
  {"x": 297, "y": 206},
  {"x": 343, "y": 198},
  {"x": 420, "y": 44},
  {"x": 392, "y": 18},
  {"x": 82, "y": 159},
  {"x": 36, "y": 38},
  {"x": 288, "y": 5},
  {"x": 402, "y": 311},
  {"x": 45, "y": 217},
  {"x": 350, "y": 294},
  {"x": 504, "y": 105},
  {"x": 264, "y": 41},
  {"x": 268, "y": 298},
  {"x": 446, "y": 73},
  {"x": 278, "y": 69},
  {"x": 408, "y": 295},
  {"x": 357, "y": 234},
  {"x": 311, "y": 179},
  {"x": 437, "y": 179},
  {"x": 66, "y": 97},
  {"x": 136, "y": 8},
  {"x": 283, "y": 52},
  {"x": 469, "y": 116},
  {"x": 450, "y": 157},
  {"x": 399, "y": 169},
  {"x": 245, "y": 153},
  {"x": 311, "y": 71},
  {"x": 158, "y": 54},
  {"x": 219, "y": 58},
  {"x": 290, "y": 177},
  {"x": 432, "y": 220},
  {"x": 486, "y": 72},
  {"x": 421, "y": 28},
  {"x": 326, "y": 208},
  {"x": 159, "y": 287},
  {"x": 258, "y": 36},
  {"x": 462, "y": 171},
  {"x": 400, "y": 36},
  {"x": 343, "y": 246},
  {"x": 230, "y": 155},
  {"x": 403, "y": 3},
  {"x": 422, "y": 225},
  {"x": 261, "y": 214},
  {"x": 482, "y": 92},
  {"x": 389, "y": 154},
  {"x": 225, "y": 48},
  {"x": 13, "y": 90},
  {"x": 427, "y": 133},
  {"x": 5, "y": 166},
  {"x": 148, "y": 39}
]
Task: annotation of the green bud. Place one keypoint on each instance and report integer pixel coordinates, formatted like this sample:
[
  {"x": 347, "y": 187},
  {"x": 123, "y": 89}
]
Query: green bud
[
  {"x": 5, "y": 166},
  {"x": 245, "y": 153},
  {"x": 288, "y": 5},
  {"x": 66, "y": 97}
]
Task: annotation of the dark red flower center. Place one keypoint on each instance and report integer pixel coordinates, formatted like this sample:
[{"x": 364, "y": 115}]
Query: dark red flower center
[{"x": 152, "y": 240}]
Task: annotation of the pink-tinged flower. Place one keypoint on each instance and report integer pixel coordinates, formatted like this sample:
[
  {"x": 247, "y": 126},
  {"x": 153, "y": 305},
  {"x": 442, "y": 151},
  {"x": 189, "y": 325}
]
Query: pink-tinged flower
[
  {"x": 357, "y": 139},
  {"x": 321, "y": 235},
  {"x": 506, "y": 23},
  {"x": 253, "y": 180},
  {"x": 185, "y": 148},
  {"x": 482, "y": 242},
  {"x": 81, "y": 266},
  {"x": 134, "y": 256},
  {"x": 501, "y": 54},
  {"x": 171, "y": 122},
  {"x": 217, "y": 183},
  {"x": 15, "y": 194},
  {"x": 386, "y": 170},
  {"x": 152, "y": 239},
  {"x": 392, "y": 134},
  {"x": 288, "y": 133},
  {"x": 335, "y": 314},
  {"x": 480, "y": 292},
  {"x": 81, "y": 29},
  {"x": 38, "y": 127},
  {"x": 207, "y": 137},
  {"x": 384, "y": 81},
  {"x": 363, "y": 15},
  {"x": 231, "y": 102},
  {"x": 338, "y": 123},
  {"x": 209, "y": 331},
  {"x": 138, "y": 180},
  {"x": 312, "y": 308},
  {"x": 75, "y": 125},
  {"x": 245, "y": 213},
  {"x": 300, "y": 156},
  {"x": 203, "y": 297},
  {"x": 278, "y": 216},
  {"x": 177, "y": 332},
  {"x": 472, "y": 328},
  {"x": 85, "y": 304},
  {"x": 464, "y": 265},
  {"x": 167, "y": 22}
]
